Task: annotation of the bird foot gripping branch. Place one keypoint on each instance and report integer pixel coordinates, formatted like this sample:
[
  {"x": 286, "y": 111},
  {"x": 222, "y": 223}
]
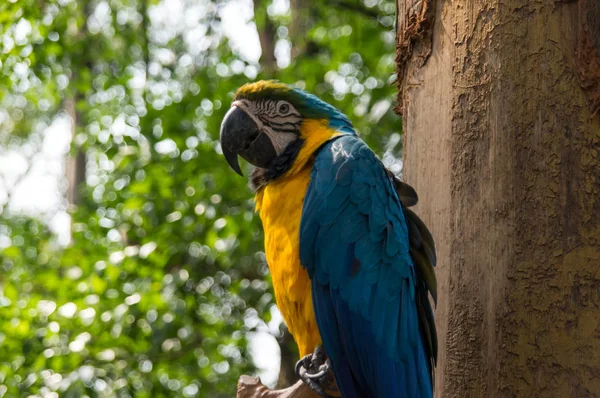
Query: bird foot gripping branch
[
  {"x": 316, "y": 380},
  {"x": 315, "y": 371}
]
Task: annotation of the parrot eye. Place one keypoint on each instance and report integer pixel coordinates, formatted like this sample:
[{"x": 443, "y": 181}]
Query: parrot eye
[{"x": 284, "y": 108}]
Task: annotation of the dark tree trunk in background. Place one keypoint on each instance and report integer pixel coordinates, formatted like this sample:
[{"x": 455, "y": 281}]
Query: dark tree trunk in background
[
  {"x": 266, "y": 35},
  {"x": 75, "y": 164},
  {"x": 303, "y": 19},
  {"x": 500, "y": 103},
  {"x": 289, "y": 357},
  {"x": 75, "y": 172}
]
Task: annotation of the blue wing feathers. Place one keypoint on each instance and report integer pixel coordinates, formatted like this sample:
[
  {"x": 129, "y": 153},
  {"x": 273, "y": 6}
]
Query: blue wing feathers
[{"x": 354, "y": 245}]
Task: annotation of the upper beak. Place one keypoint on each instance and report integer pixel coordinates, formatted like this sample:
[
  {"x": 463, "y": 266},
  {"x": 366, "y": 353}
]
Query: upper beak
[{"x": 240, "y": 136}]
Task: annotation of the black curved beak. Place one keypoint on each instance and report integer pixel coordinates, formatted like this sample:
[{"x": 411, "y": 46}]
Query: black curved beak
[{"x": 240, "y": 136}]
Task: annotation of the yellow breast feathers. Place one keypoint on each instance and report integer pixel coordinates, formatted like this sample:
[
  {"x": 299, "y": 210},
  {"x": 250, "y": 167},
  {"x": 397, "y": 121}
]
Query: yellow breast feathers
[{"x": 280, "y": 207}]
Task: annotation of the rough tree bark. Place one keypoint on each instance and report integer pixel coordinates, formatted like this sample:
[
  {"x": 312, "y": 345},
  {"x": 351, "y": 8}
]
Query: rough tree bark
[{"x": 500, "y": 102}]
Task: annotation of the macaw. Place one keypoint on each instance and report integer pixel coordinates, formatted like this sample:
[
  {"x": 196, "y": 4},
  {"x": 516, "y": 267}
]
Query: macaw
[{"x": 351, "y": 265}]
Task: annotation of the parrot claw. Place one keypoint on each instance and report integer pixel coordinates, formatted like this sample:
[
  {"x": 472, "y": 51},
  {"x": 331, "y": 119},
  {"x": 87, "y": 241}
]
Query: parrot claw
[
  {"x": 304, "y": 364},
  {"x": 314, "y": 370}
]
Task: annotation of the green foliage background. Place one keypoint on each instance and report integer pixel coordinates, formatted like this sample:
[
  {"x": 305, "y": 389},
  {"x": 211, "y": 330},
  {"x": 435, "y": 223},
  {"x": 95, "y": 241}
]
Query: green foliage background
[{"x": 164, "y": 275}]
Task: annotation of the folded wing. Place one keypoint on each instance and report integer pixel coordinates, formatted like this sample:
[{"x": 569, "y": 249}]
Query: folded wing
[{"x": 371, "y": 264}]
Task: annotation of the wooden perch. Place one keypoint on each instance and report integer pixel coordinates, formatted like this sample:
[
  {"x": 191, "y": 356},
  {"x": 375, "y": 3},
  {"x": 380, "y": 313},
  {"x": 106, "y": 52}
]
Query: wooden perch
[{"x": 251, "y": 387}]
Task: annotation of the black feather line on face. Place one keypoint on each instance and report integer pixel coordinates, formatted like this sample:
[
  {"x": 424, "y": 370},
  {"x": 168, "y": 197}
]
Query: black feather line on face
[{"x": 282, "y": 163}]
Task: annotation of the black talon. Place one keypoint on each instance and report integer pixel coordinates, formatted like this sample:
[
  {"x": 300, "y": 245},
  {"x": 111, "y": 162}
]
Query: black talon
[{"x": 313, "y": 370}]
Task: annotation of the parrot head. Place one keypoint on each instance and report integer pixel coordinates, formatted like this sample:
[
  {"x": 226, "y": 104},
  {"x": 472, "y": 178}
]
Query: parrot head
[{"x": 267, "y": 125}]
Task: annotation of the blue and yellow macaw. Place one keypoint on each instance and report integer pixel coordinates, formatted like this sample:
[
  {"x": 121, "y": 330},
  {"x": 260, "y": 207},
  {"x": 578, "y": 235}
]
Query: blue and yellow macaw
[{"x": 351, "y": 265}]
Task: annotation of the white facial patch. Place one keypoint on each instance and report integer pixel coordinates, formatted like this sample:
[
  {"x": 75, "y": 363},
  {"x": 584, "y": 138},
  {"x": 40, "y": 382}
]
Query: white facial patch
[{"x": 280, "y": 140}]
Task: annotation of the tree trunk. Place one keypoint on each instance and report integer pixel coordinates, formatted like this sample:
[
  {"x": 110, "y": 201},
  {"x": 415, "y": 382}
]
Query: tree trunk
[
  {"x": 500, "y": 104},
  {"x": 75, "y": 164},
  {"x": 75, "y": 169},
  {"x": 289, "y": 357},
  {"x": 266, "y": 35}
]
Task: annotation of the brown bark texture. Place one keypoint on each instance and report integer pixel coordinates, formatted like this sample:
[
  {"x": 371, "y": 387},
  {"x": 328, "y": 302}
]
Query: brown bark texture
[{"x": 501, "y": 122}]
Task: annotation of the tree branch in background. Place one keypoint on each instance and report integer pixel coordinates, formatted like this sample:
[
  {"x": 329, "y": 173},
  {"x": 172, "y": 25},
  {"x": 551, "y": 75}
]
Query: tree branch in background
[
  {"x": 289, "y": 356},
  {"x": 266, "y": 34},
  {"x": 357, "y": 7},
  {"x": 75, "y": 165},
  {"x": 298, "y": 23},
  {"x": 304, "y": 16},
  {"x": 145, "y": 41}
]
